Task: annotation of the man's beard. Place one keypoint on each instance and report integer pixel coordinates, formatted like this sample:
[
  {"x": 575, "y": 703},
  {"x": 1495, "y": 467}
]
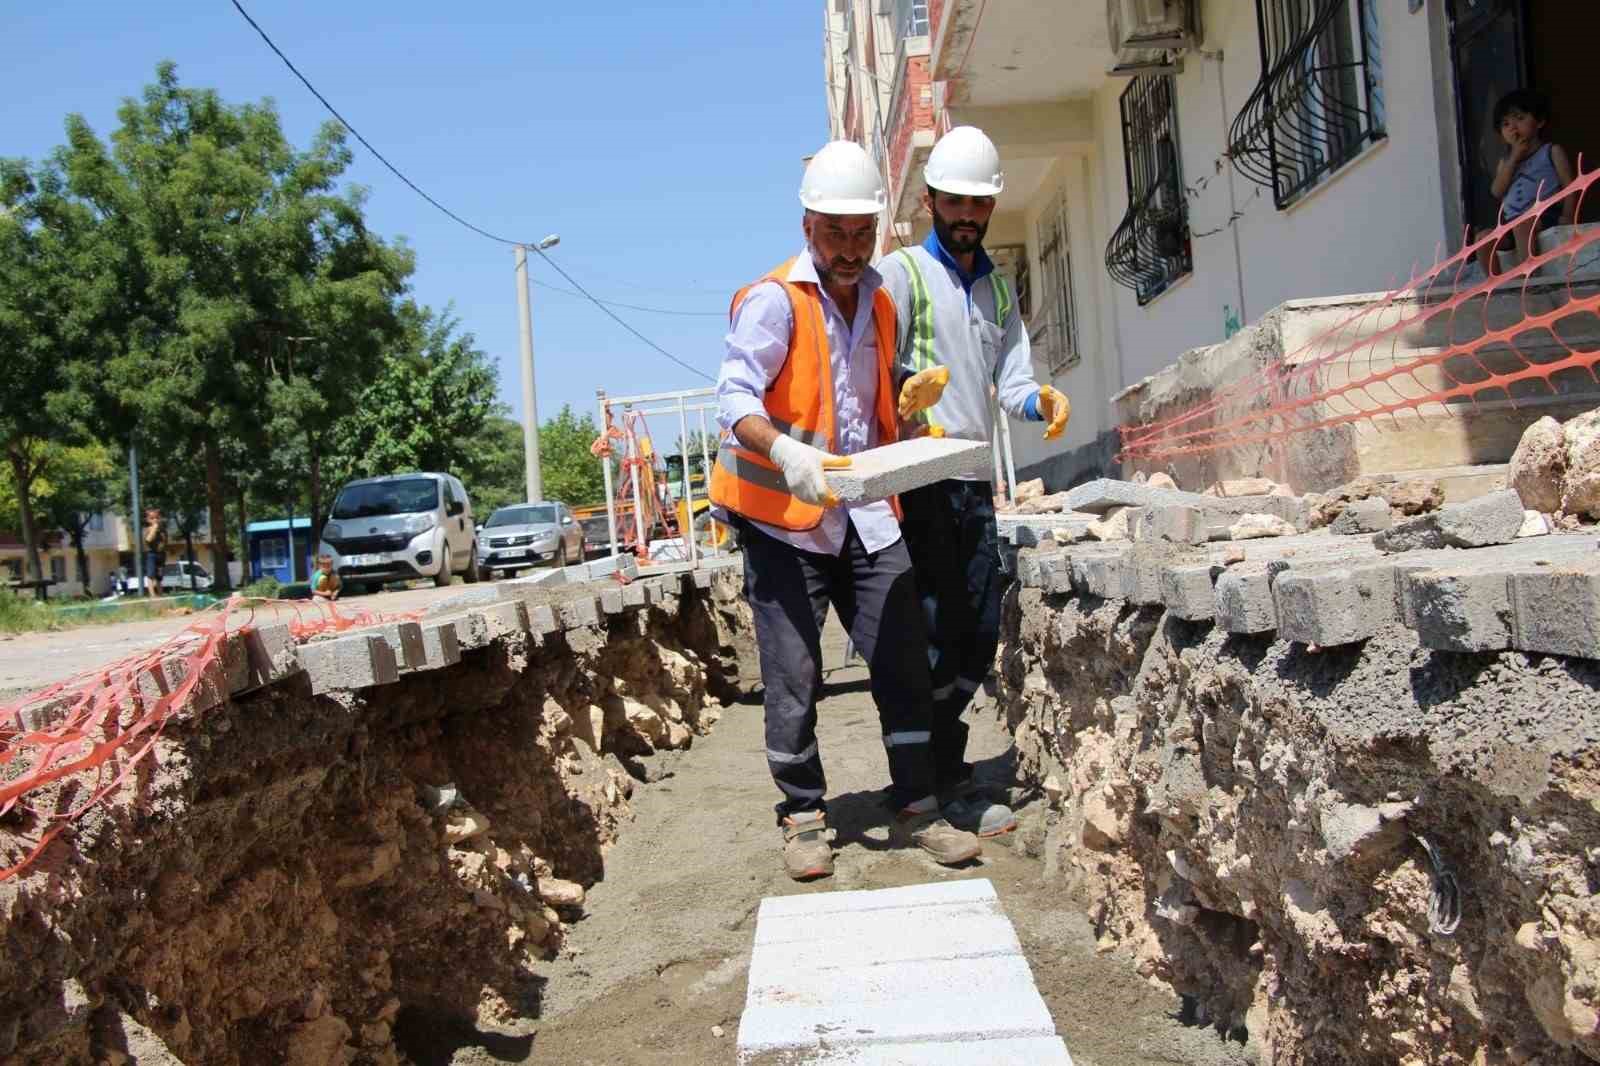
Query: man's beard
[{"x": 962, "y": 241}]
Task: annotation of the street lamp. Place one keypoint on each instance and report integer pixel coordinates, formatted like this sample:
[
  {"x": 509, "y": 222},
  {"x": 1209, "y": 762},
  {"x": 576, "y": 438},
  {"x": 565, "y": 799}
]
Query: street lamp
[{"x": 530, "y": 404}]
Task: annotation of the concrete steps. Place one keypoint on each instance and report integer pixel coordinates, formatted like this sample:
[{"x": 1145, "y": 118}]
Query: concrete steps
[{"x": 926, "y": 975}]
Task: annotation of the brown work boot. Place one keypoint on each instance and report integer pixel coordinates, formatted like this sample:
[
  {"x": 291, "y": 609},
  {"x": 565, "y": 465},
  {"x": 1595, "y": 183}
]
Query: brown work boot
[
  {"x": 943, "y": 842},
  {"x": 806, "y": 854}
]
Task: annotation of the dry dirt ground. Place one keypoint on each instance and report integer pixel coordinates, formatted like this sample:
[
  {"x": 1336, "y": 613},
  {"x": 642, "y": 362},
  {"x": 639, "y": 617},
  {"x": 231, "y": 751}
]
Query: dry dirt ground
[{"x": 657, "y": 967}]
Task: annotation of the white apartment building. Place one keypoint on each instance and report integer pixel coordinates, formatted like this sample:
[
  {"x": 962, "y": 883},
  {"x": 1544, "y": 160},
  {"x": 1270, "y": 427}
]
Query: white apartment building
[{"x": 1175, "y": 169}]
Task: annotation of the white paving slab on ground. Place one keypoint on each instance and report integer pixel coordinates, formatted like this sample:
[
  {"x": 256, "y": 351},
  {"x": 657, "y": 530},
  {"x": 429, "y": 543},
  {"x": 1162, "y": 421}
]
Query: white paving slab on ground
[{"x": 927, "y": 975}]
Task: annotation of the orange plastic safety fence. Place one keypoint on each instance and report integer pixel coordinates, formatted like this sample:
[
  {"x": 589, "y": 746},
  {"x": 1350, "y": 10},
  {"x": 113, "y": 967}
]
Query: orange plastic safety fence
[
  {"x": 108, "y": 719},
  {"x": 1368, "y": 365}
]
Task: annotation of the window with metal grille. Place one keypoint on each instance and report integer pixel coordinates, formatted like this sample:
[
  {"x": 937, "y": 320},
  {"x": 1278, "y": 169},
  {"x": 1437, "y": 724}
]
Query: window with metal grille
[
  {"x": 1151, "y": 249},
  {"x": 1320, "y": 98},
  {"x": 1053, "y": 332}
]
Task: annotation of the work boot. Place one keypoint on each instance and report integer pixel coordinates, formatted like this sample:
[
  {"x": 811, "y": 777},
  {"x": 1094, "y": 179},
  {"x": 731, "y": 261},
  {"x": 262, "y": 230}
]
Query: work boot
[
  {"x": 943, "y": 842},
  {"x": 972, "y": 811},
  {"x": 806, "y": 854}
]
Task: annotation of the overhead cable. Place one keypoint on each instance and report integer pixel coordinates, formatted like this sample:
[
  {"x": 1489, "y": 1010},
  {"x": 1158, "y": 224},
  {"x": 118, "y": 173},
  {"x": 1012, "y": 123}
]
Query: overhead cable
[{"x": 534, "y": 247}]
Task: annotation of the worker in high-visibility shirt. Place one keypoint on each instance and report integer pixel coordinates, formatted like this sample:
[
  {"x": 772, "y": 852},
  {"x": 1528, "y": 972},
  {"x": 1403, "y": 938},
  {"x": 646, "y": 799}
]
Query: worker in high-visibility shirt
[
  {"x": 807, "y": 381},
  {"x": 960, "y": 336}
]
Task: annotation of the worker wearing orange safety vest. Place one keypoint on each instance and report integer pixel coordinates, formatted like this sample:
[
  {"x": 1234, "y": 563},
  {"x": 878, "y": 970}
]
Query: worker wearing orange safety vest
[
  {"x": 805, "y": 383},
  {"x": 958, "y": 316}
]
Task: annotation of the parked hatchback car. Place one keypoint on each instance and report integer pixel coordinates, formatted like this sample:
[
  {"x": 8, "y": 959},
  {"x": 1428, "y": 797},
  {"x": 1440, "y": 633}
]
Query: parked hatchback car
[
  {"x": 525, "y": 535},
  {"x": 184, "y": 576},
  {"x": 399, "y": 527}
]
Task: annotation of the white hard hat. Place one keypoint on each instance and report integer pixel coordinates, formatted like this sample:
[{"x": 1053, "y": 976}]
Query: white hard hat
[
  {"x": 966, "y": 163},
  {"x": 841, "y": 180}
]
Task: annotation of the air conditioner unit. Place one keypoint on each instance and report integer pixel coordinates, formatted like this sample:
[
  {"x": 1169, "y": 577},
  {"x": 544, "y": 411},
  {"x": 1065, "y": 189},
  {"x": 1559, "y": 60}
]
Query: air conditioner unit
[{"x": 1146, "y": 35}]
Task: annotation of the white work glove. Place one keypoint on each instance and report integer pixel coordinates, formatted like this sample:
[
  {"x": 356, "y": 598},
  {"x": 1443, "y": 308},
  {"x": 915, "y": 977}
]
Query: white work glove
[{"x": 802, "y": 467}]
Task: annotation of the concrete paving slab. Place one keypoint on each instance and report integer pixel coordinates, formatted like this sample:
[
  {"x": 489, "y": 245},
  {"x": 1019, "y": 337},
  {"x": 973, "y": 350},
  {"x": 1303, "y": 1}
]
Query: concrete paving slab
[
  {"x": 874, "y": 976},
  {"x": 1006, "y": 1051},
  {"x": 1243, "y": 600},
  {"x": 360, "y": 660},
  {"x": 542, "y": 620},
  {"x": 1189, "y": 590},
  {"x": 1329, "y": 607},
  {"x": 1141, "y": 571},
  {"x": 890, "y": 469},
  {"x": 1176, "y": 522},
  {"x": 1556, "y": 609},
  {"x": 405, "y": 640},
  {"x": 508, "y": 618},
  {"x": 269, "y": 653},
  {"x": 1102, "y": 494},
  {"x": 440, "y": 645},
  {"x": 611, "y": 601},
  {"x": 1464, "y": 608},
  {"x": 583, "y": 611}
]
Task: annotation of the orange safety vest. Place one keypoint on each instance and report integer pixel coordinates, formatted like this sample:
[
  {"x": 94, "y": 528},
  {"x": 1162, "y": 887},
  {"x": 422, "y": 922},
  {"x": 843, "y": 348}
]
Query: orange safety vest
[{"x": 799, "y": 403}]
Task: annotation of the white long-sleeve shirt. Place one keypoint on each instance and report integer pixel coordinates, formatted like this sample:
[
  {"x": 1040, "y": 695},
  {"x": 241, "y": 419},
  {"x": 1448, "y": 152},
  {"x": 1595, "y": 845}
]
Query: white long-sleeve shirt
[{"x": 756, "y": 348}]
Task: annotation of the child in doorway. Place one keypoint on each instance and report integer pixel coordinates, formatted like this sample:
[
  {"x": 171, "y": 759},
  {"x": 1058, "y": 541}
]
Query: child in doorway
[
  {"x": 325, "y": 579},
  {"x": 1531, "y": 170}
]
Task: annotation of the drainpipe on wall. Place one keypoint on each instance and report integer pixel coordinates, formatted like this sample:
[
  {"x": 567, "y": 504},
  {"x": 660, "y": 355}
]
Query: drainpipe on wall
[{"x": 1233, "y": 202}]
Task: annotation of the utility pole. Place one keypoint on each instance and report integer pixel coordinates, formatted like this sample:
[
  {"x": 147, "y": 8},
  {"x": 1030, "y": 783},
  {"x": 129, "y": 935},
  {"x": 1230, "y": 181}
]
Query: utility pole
[
  {"x": 136, "y": 519},
  {"x": 530, "y": 402}
]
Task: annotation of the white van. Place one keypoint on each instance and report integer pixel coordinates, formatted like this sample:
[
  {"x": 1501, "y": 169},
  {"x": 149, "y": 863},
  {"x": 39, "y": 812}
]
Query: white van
[{"x": 400, "y": 527}]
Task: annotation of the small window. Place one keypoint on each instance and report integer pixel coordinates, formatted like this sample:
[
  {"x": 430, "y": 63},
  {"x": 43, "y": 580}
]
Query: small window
[
  {"x": 1053, "y": 329},
  {"x": 58, "y": 568},
  {"x": 1150, "y": 248},
  {"x": 274, "y": 553},
  {"x": 1320, "y": 98},
  {"x": 97, "y": 522}
]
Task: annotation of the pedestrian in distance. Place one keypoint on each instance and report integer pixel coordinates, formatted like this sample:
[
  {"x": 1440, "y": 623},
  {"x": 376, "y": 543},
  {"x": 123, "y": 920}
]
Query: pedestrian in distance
[
  {"x": 960, "y": 340},
  {"x": 805, "y": 382},
  {"x": 154, "y": 541}
]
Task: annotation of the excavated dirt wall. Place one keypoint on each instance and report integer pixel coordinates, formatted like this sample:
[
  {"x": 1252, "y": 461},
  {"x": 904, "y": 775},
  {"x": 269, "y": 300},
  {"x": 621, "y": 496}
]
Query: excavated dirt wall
[
  {"x": 296, "y": 878},
  {"x": 1252, "y": 821}
]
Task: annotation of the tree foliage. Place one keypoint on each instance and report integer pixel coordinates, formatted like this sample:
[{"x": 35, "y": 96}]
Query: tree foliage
[
  {"x": 570, "y": 472},
  {"x": 56, "y": 277},
  {"x": 236, "y": 242},
  {"x": 425, "y": 409}
]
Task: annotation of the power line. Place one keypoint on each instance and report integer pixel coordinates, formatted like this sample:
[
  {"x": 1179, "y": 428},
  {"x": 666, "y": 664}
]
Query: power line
[
  {"x": 601, "y": 304},
  {"x": 632, "y": 307}
]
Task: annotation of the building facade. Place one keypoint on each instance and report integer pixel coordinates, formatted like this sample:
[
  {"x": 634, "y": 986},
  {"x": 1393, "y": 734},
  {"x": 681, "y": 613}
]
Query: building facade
[
  {"x": 1176, "y": 169},
  {"x": 107, "y": 546}
]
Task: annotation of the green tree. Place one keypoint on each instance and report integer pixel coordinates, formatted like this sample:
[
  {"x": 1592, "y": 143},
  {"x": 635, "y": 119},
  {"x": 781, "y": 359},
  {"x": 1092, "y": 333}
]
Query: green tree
[
  {"x": 495, "y": 474},
  {"x": 570, "y": 471},
  {"x": 82, "y": 482},
  {"x": 57, "y": 297},
  {"x": 236, "y": 243},
  {"x": 426, "y": 408}
]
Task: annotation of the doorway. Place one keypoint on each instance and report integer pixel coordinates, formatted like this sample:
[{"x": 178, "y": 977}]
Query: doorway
[{"x": 1501, "y": 45}]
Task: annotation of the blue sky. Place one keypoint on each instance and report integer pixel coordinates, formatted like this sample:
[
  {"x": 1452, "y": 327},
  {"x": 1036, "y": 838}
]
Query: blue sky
[{"x": 661, "y": 140}]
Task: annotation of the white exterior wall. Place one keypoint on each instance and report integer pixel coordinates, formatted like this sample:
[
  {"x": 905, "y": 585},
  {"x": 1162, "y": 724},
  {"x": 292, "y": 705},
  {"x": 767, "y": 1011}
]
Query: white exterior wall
[{"x": 1365, "y": 228}]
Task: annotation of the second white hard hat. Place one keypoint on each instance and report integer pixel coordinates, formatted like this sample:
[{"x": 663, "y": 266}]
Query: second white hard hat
[
  {"x": 842, "y": 180},
  {"x": 965, "y": 162}
]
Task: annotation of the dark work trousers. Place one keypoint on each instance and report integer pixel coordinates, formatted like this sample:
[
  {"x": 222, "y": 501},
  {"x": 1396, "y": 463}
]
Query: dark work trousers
[
  {"x": 950, "y": 530},
  {"x": 875, "y": 595}
]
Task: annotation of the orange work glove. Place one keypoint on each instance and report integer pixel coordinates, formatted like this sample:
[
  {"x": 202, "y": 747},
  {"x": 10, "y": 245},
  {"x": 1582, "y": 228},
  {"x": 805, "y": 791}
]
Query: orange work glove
[
  {"x": 922, "y": 390},
  {"x": 1056, "y": 409}
]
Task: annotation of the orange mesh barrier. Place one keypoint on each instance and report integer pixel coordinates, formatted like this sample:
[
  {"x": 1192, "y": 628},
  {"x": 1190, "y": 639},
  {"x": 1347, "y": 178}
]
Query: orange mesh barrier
[
  {"x": 108, "y": 719},
  {"x": 1493, "y": 344}
]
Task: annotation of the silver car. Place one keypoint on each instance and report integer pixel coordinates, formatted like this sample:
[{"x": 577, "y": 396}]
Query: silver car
[
  {"x": 525, "y": 535},
  {"x": 399, "y": 527}
]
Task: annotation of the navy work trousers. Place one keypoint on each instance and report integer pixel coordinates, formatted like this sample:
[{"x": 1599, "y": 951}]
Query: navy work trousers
[
  {"x": 875, "y": 595},
  {"x": 950, "y": 530}
]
